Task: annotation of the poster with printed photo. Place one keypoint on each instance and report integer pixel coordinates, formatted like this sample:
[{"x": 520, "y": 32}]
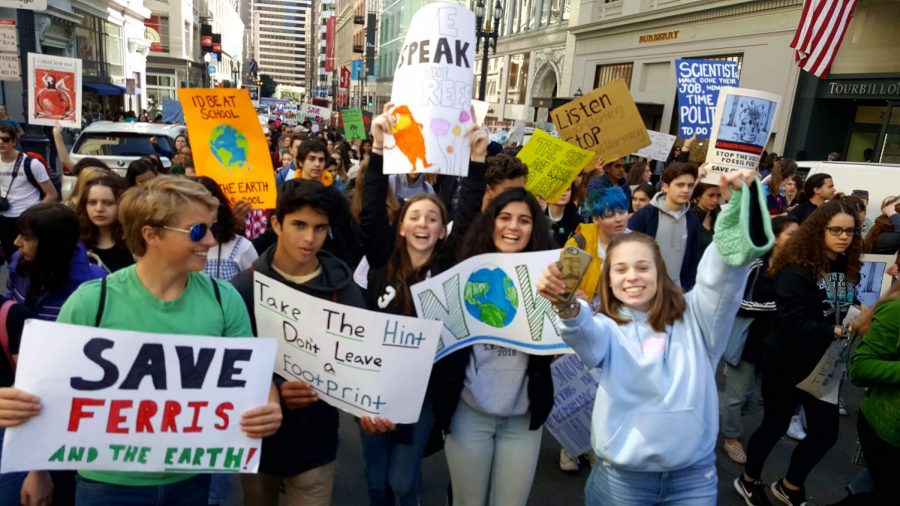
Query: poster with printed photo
[
  {"x": 54, "y": 91},
  {"x": 742, "y": 125},
  {"x": 873, "y": 279}
]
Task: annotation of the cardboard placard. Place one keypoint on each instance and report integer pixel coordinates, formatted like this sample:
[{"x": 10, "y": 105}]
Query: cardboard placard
[
  {"x": 743, "y": 122},
  {"x": 605, "y": 121},
  {"x": 366, "y": 363},
  {"x": 552, "y": 165},
  {"x": 699, "y": 82},
  {"x": 117, "y": 400},
  {"x": 491, "y": 299},
  {"x": 228, "y": 145},
  {"x": 432, "y": 93},
  {"x": 54, "y": 91}
]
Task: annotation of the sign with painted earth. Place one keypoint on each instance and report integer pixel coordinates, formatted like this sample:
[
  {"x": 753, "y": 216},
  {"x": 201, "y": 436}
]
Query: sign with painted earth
[
  {"x": 491, "y": 297},
  {"x": 230, "y": 147}
]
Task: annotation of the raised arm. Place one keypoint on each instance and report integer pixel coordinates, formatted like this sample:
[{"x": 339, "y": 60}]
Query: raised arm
[
  {"x": 61, "y": 150},
  {"x": 743, "y": 232},
  {"x": 376, "y": 233}
]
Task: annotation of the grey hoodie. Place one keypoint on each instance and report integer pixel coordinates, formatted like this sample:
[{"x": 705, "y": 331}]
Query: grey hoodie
[{"x": 671, "y": 236}]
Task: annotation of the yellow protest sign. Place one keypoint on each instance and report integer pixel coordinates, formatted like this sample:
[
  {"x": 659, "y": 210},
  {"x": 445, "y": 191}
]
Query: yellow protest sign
[
  {"x": 228, "y": 144},
  {"x": 552, "y": 164},
  {"x": 606, "y": 121}
]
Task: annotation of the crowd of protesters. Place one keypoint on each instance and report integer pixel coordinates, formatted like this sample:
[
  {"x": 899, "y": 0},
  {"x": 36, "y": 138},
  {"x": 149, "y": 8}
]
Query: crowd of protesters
[{"x": 757, "y": 271}]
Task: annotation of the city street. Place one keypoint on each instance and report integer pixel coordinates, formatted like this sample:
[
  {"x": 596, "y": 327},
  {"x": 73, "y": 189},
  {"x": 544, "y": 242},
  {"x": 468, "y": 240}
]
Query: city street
[{"x": 554, "y": 487}]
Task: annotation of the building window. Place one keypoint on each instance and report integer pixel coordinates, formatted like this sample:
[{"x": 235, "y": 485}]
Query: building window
[
  {"x": 517, "y": 84},
  {"x": 160, "y": 87},
  {"x": 736, "y": 58},
  {"x": 156, "y": 30},
  {"x": 608, "y": 73},
  {"x": 99, "y": 46}
]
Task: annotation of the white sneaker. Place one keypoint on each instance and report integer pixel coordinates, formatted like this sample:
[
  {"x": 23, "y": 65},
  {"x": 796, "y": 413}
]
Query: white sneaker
[
  {"x": 842, "y": 408},
  {"x": 795, "y": 430},
  {"x": 568, "y": 463}
]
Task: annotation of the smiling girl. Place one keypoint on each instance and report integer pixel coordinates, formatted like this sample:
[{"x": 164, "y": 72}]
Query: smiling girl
[{"x": 656, "y": 412}]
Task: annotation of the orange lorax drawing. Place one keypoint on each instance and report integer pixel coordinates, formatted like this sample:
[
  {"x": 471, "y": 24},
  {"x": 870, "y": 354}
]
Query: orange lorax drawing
[{"x": 408, "y": 136}]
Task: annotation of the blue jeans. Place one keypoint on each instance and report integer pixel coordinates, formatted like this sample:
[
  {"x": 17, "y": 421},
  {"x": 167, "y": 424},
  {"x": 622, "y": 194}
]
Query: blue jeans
[
  {"x": 491, "y": 457},
  {"x": 741, "y": 397},
  {"x": 692, "y": 486},
  {"x": 10, "y": 483},
  {"x": 191, "y": 492},
  {"x": 394, "y": 464}
]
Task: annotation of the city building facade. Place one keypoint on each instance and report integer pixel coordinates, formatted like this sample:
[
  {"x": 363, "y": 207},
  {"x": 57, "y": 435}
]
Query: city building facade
[
  {"x": 281, "y": 35},
  {"x": 639, "y": 41}
]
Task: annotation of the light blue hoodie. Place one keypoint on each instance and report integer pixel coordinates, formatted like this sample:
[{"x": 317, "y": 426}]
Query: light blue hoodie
[{"x": 657, "y": 407}]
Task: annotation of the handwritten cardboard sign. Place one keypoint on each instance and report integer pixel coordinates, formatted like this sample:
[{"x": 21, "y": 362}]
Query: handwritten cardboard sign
[
  {"x": 118, "y": 400},
  {"x": 363, "y": 362},
  {"x": 354, "y": 129},
  {"x": 605, "y": 121},
  {"x": 742, "y": 125},
  {"x": 660, "y": 147},
  {"x": 315, "y": 113},
  {"x": 54, "y": 91},
  {"x": 491, "y": 299},
  {"x": 228, "y": 145},
  {"x": 432, "y": 93},
  {"x": 552, "y": 164},
  {"x": 699, "y": 82},
  {"x": 574, "y": 390}
]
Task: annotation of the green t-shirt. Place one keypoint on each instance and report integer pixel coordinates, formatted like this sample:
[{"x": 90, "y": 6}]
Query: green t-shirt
[{"x": 129, "y": 306}]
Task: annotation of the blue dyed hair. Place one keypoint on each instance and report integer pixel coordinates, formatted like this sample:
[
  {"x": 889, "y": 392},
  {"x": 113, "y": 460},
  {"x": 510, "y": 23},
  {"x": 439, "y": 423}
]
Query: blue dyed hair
[{"x": 603, "y": 199}]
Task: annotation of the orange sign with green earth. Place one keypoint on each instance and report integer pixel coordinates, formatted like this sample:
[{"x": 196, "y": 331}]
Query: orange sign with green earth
[{"x": 228, "y": 144}]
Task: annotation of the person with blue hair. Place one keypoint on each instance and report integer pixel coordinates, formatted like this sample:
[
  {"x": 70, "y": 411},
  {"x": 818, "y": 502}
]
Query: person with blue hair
[{"x": 606, "y": 211}]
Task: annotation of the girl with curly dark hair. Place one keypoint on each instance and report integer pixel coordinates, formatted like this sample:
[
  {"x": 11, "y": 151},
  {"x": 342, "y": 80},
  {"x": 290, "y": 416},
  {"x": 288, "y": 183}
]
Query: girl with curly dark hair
[{"x": 815, "y": 278}]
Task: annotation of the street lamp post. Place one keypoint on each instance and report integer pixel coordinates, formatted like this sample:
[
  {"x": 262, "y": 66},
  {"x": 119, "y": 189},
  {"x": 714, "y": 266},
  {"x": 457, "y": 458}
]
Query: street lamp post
[
  {"x": 489, "y": 33},
  {"x": 235, "y": 73}
]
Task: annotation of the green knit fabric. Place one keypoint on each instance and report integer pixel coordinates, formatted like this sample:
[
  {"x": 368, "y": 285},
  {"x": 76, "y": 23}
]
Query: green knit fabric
[
  {"x": 743, "y": 230},
  {"x": 875, "y": 364}
]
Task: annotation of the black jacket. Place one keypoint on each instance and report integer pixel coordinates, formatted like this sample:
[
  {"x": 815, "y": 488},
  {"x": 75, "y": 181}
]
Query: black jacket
[
  {"x": 760, "y": 304},
  {"x": 566, "y": 225},
  {"x": 809, "y": 307},
  {"x": 308, "y": 437}
]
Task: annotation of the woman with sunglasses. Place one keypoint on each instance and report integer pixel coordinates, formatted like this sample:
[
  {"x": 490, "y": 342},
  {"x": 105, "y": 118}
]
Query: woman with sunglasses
[
  {"x": 167, "y": 224},
  {"x": 815, "y": 275}
]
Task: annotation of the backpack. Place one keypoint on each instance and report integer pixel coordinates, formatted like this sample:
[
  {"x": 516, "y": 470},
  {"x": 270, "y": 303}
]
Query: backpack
[{"x": 29, "y": 175}]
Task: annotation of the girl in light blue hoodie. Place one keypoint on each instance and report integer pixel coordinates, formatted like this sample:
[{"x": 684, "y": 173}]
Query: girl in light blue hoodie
[{"x": 655, "y": 417}]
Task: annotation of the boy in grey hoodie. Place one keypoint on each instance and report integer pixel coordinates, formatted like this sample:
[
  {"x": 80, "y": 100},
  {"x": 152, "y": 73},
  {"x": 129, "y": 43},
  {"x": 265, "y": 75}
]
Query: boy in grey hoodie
[{"x": 668, "y": 219}]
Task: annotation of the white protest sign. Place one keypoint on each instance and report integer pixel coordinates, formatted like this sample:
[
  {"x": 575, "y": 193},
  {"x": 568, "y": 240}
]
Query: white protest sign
[
  {"x": 117, "y": 400},
  {"x": 10, "y": 67},
  {"x": 432, "y": 93},
  {"x": 315, "y": 113},
  {"x": 491, "y": 299},
  {"x": 660, "y": 147},
  {"x": 574, "y": 390},
  {"x": 9, "y": 36},
  {"x": 54, "y": 91},
  {"x": 363, "y": 362},
  {"x": 480, "y": 109},
  {"x": 741, "y": 129}
]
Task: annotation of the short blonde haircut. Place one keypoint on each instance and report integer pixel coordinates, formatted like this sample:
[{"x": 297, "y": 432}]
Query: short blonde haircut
[
  {"x": 87, "y": 175},
  {"x": 156, "y": 203}
]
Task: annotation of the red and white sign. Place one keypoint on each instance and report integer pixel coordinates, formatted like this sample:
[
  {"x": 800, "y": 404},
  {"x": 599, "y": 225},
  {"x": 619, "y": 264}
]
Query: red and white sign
[
  {"x": 345, "y": 77},
  {"x": 9, "y": 38},
  {"x": 54, "y": 94},
  {"x": 329, "y": 45}
]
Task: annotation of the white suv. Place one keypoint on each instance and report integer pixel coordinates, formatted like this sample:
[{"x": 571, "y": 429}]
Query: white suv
[{"x": 119, "y": 144}]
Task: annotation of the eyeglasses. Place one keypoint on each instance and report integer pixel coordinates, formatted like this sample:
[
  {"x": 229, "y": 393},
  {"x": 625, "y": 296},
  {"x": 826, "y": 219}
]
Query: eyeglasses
[
  {"x": 837, "y": 231},
  {"x": 197, "y": 232},
  {"x": 4, "y": 138}
]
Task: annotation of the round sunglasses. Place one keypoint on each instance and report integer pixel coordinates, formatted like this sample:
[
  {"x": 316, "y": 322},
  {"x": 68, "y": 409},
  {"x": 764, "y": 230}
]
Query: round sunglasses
[{"x": 198, "y": 231}]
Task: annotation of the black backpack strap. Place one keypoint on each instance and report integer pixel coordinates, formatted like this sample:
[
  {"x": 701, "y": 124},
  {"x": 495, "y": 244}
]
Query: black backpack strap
[
  {"x": 102, "y": 304},
  {"x": 218, "y": 294},
  {"x": 29, "y": 175}
]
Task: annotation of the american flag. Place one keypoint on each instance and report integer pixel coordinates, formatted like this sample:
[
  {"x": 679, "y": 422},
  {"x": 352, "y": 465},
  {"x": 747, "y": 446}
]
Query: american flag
[{"x": 820, "y": 32}]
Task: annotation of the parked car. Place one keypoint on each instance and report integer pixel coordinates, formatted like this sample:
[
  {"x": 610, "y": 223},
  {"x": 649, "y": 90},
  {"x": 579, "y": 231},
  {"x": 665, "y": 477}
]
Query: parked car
[
  {"x": 881, "y": 180},
  {"x": 118, "y": 144}
]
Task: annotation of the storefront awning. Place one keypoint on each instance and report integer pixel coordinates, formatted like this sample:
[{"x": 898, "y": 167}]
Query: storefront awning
[{"x": 104, "y": 90}]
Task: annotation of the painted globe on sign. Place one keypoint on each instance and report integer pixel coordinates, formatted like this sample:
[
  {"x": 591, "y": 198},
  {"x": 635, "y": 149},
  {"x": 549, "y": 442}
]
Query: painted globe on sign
[
  {"x": 230, "y": 147},
  {"x": 491, "y": 297}
]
